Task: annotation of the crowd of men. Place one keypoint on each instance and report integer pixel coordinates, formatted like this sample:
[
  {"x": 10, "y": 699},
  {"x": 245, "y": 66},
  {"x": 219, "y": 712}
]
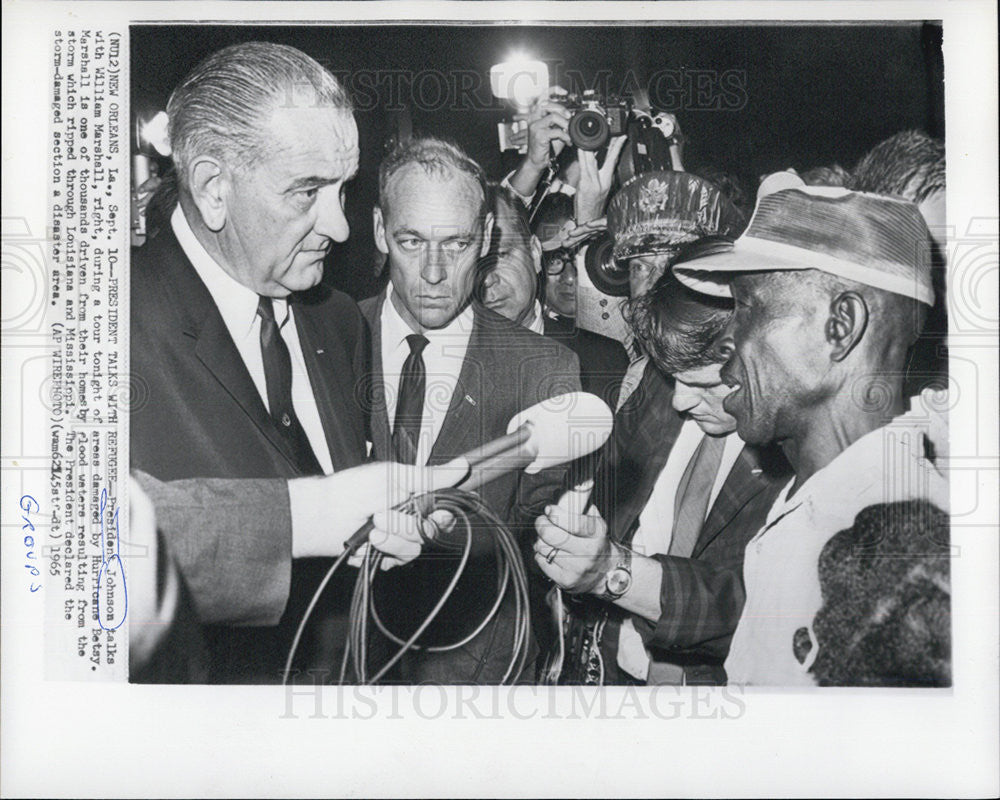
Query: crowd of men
[{"x": 771, "y": 507}]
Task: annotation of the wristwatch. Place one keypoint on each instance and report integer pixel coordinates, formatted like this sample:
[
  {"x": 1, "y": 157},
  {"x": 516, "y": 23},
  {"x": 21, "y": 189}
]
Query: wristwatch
[{"x": 618, "y": 579}]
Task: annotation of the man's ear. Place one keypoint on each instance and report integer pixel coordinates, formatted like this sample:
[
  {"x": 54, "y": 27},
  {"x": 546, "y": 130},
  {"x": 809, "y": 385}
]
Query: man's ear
[
  {"x": 209, "y": 184},
  {"x": 536, "y": 253},
  {"x": 847, "y": 324},
  {"x": 487, "y": 234},
  {"x": 378, "y": 226}
]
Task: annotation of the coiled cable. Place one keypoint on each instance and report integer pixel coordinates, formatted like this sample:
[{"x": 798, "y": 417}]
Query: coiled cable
[{"x": 512, "y": 576}]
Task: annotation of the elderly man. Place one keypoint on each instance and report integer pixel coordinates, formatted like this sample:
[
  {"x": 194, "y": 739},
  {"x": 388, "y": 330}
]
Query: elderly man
[
  {"x": 447, "y": 377},
  {"x": 248, "y": 378},
  {"x": 510, "y": 273},
  {"x": 831, "y": 288},
  {"x": 678, "y": 496}
]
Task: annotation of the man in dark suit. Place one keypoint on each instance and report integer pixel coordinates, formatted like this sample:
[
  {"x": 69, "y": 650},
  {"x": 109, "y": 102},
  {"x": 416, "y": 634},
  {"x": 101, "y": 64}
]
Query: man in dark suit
[
  {"x": 448, "y": 377},
  {"x": 677, "y": 497},
  {"x": 246, "y": 368}
]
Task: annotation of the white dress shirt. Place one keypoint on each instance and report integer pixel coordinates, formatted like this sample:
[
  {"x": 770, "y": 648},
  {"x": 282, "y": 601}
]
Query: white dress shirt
[
  {"x": 443, "y": 358},
  {"x": 557, "y": 186},
  {"x": 781, "y": 568},
  {"x": 238, "y": 306},
  {"x": 537, "y": 324},
  {"x": 656, "y": 523}
]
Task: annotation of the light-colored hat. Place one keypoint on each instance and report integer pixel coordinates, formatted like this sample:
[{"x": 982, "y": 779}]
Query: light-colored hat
[
  {"x": 657, "y": 212},
  {"x": 879, "y": 241}
]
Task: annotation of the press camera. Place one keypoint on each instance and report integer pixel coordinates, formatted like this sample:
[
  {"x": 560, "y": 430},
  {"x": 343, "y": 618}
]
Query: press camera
[{"x": 595, "y": 119}]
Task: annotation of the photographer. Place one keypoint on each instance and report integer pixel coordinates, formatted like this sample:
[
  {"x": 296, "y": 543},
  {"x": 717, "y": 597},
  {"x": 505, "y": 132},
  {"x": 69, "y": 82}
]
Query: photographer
[{"x": 548, "y": 135}]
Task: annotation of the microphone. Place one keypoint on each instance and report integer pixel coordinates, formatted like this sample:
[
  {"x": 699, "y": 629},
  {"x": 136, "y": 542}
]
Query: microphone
[
  {"x": 553, "y": 432},
  {"x": 557, "y": 430}
]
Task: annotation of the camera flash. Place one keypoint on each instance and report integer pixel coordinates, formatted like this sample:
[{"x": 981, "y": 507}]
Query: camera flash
[
  {"x": 519, "y": 80},
  {"x": 154, "y": 133}
]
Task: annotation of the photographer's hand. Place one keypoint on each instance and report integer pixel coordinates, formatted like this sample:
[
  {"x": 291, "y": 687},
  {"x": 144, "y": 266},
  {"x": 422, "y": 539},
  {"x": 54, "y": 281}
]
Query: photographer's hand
[
  {"x": 575, "y": 234},
  {"x": 595, "y": 183},
  {"x": 548, "y": 123}
]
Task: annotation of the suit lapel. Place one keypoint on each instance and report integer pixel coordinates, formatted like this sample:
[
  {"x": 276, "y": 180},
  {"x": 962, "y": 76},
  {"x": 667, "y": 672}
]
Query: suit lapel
[
  {"x": 645, "y": 431},
  {"x": 324, "y": 362},
  {"x": 375, "y": 383},
  {"x": 463, "y": 427},
  {"x": 744, "y": 482},
  {"x": 215, "y": 349}
]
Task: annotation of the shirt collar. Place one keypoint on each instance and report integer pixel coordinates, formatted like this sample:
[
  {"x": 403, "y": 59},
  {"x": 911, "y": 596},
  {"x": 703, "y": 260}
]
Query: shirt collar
[
  {"x": 395, "y": 329},
  {"x": 860, "y": 466},
  {"x": 538, "y": 320},
  {"x": 236, "y": 303}
]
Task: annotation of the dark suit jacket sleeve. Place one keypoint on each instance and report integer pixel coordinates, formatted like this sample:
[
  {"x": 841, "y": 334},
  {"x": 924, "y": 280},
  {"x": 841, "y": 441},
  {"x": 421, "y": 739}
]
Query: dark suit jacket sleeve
[
  {"x": 232, "y": 541},
  {"x": 700, "y": 605}
]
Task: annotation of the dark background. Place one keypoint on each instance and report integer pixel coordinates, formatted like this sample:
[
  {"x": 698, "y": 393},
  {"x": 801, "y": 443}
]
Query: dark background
[{"x": 750, "y": 99}]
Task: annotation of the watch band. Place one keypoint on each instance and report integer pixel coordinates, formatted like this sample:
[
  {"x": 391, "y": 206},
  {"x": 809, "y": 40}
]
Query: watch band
[{"x": 618, "y": 579}]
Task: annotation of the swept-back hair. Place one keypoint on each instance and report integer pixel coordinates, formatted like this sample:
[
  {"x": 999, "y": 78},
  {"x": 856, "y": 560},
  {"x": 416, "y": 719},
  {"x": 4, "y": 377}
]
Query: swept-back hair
[
  {"x": 220, "y": 108},
  {"x": 678, "y": 327}
]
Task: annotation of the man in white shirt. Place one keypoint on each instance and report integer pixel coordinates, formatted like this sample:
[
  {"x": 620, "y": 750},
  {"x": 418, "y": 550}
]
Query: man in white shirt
[
  {"x": 245, "y": 368},
  {"x": 677, "y": 497},
  {"x": 447, "y": 377},
  {"x": 831, "y": 289}
]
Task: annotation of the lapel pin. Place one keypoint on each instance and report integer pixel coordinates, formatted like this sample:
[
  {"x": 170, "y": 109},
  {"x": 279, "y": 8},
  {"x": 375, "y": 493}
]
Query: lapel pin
[
  {"x": 469, "y": 400},
  {"x": 320, "y": 352},
  {"x": 756, "y": 471}
]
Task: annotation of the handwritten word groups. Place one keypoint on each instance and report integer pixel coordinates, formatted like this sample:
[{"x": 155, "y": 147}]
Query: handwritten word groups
[{"x": 29, "y": 505}]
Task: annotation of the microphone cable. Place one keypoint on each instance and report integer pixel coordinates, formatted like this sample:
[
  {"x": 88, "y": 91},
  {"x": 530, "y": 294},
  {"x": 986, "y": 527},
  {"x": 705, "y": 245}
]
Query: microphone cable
[{"x": 512, "y": 576}]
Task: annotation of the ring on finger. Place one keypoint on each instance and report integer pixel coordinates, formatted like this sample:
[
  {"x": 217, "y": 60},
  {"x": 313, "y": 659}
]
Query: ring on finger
[{"x": 551, "y": 556}]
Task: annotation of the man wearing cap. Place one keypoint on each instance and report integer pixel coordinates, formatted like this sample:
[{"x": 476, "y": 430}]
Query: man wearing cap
[
  {"x": 831, "y": 288},
  {"x": 649, "y": 219}
]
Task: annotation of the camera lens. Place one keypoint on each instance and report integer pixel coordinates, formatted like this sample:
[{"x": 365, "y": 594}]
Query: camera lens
[
  {"x": 607, "y": 276},
  {"x": 588, "y": 130}
]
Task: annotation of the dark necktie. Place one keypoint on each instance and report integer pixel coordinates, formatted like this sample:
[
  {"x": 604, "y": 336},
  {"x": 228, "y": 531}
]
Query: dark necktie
[
  {"x": 410, "y": 402},
  {"x": 693, "y": 493},
  {"x": 278, "y": 377}
]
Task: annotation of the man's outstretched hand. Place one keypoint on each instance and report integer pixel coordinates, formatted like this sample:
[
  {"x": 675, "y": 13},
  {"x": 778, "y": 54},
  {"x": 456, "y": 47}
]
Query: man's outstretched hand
[{"x": 326, "y": 511}]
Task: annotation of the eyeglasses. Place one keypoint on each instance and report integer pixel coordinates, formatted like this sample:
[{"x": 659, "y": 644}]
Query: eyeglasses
[{"x": 556, "y": 261}]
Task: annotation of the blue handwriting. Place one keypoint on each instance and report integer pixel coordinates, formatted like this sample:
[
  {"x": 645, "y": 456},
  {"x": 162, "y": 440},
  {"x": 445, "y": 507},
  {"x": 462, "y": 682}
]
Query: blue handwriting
[
  {"x": 106, "y": 564},
  {"x": 29, "y": 505}
]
